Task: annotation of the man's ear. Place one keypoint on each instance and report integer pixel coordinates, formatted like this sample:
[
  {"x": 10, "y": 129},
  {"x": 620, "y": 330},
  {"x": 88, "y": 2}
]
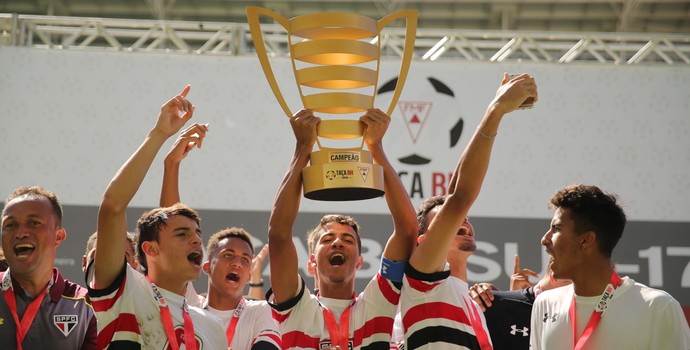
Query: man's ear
[
  {"x": 588, "y": 240},
  {"x": 150, "y": 248},
  {"x": 312, "y": 264},
  {"x": 60, "y": 235},
  {"x": 360, "y": 262},
  {"x": 206, "y": 267}
]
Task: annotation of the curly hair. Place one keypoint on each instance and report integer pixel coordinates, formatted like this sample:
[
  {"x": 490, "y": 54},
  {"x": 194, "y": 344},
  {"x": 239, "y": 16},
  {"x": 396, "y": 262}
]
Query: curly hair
[
  {"x": 313, "y": 234},
  {"x": 592, "y": 209},
  {"x": 237, "y": 232}
]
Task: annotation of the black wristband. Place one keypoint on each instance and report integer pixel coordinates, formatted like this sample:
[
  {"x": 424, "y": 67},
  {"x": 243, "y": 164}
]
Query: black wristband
[{"x": 260, "y": 284}]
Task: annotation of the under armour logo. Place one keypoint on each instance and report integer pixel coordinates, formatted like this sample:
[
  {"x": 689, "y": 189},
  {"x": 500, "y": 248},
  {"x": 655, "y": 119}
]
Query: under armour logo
[
  {"x": 524, "y": 330},
  {"x": 552, "y": 318}
]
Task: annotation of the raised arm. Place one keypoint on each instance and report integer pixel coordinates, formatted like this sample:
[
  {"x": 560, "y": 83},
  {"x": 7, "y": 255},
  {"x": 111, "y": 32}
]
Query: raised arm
[
  {"x": 466, "y": 181},
  {"x": 256, "y": 282},
  {"x": 281, "y": 249},
  {"x": 191, "y": 137},
  {"x": 405, "y": 228},
  {"x": 112, "y": 220}
]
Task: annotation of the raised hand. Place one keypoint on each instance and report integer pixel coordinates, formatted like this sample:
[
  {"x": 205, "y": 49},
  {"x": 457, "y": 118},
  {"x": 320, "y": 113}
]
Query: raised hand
[
  {"x": 376, "y": 122},
  {"x": 514, "y": 91},
  {"x": 520, "y": 278},
  {"x": 174, "y": 114},
  {"x": 191, "y": 137},
  {"x": 304, "y": 127},
  {"x": 257, "y": 264}
]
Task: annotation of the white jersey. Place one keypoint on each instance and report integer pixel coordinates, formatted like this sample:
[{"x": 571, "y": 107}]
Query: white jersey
[
  {"x": 255, "y": 326},
  {"x": 438, "y": 313},
  {"x": 638, "y": 317},
  {"x": 128, "y": 315}
]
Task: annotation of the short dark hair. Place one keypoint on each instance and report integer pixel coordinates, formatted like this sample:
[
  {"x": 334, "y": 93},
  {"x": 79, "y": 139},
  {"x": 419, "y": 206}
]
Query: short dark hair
[
  {"x": 428, "y": 205},
  {"x": 592, "y": 209},
  {"x": 91, "y": 243},
  {"x": 150, "y": 223},
  {"x": 237, "y": 232},
  {"x": 313, "y": 234},
  {"x": 31, "y": 191}
]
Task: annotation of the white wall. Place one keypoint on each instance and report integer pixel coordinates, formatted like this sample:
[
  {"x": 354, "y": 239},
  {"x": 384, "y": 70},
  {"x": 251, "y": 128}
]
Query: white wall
[{"x": 70, "y": 119}]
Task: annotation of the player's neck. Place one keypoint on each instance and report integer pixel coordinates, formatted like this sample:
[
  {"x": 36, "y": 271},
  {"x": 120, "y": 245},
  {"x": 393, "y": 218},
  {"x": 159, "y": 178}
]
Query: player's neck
[
  {"x": 35, "y": 282},
  {"x": 337, "y": 291},
  {"x": 221, "y": 301},
  {"x": 172, "y": 284},
  {"x": 592, "y": 281},
  {"x": 458, "y": 267}
]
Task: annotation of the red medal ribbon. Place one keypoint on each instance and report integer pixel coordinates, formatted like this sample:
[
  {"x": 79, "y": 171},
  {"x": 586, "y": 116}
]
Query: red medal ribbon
[
  {"x": 476, "y": 323},
  {"x": 340, "y": 332},
  {"x": 166, "y": 318},
  {"x": 598, "y": 311},
  {"x": 30, "y": 313},
  {"x": 230, "y": 332}
]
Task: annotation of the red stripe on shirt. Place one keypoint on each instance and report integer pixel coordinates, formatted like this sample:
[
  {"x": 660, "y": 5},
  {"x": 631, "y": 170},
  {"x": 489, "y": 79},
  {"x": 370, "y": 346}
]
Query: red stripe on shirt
[
  {"x": 432, "y": 310},
  {"x": 123, "y": 323},
  {"x": 280, "y": 318},
  {"x": 392, "y": 295},
  {"x": 299, "y": 339},
  {"x": 376, "y": 325},
  {"x": 106, "y": 304},
  {"x": 420, "y": 285}
]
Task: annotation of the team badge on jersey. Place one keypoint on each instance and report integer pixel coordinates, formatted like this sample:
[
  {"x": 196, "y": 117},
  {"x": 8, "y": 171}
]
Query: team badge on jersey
[{"x": 65, "y": 323}]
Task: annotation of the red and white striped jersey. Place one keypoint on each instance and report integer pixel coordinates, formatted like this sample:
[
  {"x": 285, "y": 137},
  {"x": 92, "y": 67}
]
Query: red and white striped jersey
[
  {"x": 128, "y": 316},
  {"x": 438, "y": 313},
  {"x": 302, "y": 323}
]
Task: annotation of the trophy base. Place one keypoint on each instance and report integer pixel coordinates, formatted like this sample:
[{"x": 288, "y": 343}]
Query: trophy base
[
  {"x": 343, "y": 194},
  {"x": 331, "y": 177}
]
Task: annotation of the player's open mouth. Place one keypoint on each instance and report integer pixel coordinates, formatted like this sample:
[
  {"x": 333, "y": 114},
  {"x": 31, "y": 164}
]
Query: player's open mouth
[
  {"x": 23, "y": 249},
  {"x": 195, "y": 258},
  {"x": 233, "y": 276},
  {"x": 337, "y": 259}
]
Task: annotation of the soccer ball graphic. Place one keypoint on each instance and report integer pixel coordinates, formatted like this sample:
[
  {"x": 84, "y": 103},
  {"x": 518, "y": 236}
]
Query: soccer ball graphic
[{"x": 426, "y": 120}]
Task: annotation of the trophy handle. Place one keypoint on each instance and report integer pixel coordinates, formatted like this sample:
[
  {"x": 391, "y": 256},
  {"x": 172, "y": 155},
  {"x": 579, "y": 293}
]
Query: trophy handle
[
  {"x": 253, "y": 14},
  {"x": 410, "y": 34}
]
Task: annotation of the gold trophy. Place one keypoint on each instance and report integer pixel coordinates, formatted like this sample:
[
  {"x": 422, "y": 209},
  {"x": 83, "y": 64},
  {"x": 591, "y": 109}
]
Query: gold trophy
[{"x": 335, "y": 58}]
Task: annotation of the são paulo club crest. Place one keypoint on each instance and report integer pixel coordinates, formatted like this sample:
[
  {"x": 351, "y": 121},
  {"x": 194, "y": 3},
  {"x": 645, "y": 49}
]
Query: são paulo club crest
[{"x": 65, "y": 323}]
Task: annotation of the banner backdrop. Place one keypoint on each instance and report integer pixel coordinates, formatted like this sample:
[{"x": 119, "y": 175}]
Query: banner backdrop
[{"x": 71, "y": 118}]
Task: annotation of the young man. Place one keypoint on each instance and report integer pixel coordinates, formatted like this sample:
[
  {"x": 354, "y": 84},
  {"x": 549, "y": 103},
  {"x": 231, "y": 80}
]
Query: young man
[
  {"x": 39, "y": 309},
  {"x": 248, "y": 324},
  {"x": 600, "y": 310},
  {"x": 134, "y": 310},
  {"x": 336, "y": 317},
  {"x": 437, "y": 312}
]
